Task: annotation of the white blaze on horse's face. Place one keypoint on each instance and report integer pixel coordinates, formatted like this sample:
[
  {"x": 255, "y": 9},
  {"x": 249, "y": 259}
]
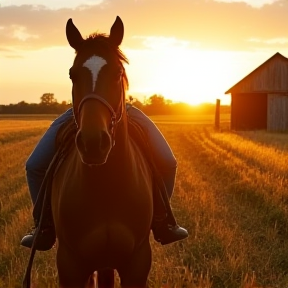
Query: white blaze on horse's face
[{"x": 94, "y": 64}]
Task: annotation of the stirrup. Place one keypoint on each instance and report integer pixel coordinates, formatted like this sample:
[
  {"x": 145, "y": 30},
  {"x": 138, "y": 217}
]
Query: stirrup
[
  {"x": 45, "y": 239},
  {"x": 166, "y": 233}
]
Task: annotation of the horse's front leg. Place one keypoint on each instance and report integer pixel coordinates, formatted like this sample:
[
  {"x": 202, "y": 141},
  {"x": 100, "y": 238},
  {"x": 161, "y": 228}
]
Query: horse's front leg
[
  {"x": 135, "y": 273},
  {"x": 92, "y": 281}
]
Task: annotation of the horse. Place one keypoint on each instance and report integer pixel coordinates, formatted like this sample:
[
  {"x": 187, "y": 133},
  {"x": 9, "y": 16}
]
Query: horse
[{"x": 102, "y": 193}]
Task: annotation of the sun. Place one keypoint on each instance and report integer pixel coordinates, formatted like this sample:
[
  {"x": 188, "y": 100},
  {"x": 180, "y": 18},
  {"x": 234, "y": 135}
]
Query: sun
[{"x": 181, "y": 75}]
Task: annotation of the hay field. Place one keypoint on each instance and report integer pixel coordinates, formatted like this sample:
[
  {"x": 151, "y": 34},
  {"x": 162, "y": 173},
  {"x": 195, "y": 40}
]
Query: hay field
[{"x": 231, "y": 194}]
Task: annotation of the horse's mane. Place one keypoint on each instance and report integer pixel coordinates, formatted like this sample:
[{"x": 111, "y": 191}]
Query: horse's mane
[{"x": 103, "y": 39}]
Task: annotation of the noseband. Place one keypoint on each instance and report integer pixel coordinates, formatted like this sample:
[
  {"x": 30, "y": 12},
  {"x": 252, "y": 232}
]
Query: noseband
[
  {"x": 103, "y": 101},
  {"x": 114, "y": 120}
]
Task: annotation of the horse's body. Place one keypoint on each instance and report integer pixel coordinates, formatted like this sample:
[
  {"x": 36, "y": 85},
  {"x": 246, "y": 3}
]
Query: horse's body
[
  {"x": 102, "y": 204},
  {"x": 103, "y": 214}
]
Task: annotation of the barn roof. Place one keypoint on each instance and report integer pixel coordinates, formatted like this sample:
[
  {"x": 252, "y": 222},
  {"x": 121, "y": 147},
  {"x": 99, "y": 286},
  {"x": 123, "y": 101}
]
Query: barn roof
[{"x": 269, "y": 77}]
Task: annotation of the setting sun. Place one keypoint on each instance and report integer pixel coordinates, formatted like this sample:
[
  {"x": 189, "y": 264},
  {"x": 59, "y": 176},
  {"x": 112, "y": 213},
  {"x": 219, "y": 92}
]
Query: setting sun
[{"x": 182, "y": 74}]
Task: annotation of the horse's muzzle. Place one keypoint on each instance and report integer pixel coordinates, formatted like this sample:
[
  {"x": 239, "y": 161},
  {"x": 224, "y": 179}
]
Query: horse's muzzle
[{"x": 93, "y": 149}]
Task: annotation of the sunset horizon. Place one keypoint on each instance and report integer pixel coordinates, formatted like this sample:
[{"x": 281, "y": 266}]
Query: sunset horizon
[{"x": 189, "y": 51}]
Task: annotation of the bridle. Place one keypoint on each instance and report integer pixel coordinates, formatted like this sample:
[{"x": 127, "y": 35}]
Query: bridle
[{"x": 116, "y": 116}]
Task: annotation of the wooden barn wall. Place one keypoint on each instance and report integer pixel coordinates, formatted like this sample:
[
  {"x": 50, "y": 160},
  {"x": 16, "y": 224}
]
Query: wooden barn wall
[
  {"x": 249, "y": 111},
  {"x": 277, "y": 113},
  {"x": 268, "y": 79}
]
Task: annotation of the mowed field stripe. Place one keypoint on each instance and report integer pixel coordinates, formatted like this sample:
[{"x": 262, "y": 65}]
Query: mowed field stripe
[
  {"x": 252, "y": 228},
  {"x": 262, "y": 174}
]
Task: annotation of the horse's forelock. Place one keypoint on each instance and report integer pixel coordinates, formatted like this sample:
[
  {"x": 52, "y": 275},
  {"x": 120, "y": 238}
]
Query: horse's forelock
[{"x": 103, "y": 38}]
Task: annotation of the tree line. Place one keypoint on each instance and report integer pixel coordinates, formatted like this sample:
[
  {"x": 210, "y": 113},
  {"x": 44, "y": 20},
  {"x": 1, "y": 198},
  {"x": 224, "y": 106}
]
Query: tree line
[
  {"x": 154, "y": 105},
  {"x": 48, "y": 105}
]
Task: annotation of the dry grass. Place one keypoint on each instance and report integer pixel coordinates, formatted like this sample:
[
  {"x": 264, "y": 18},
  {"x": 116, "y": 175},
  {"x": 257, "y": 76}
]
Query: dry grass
[{"x": 231, "y": 194}]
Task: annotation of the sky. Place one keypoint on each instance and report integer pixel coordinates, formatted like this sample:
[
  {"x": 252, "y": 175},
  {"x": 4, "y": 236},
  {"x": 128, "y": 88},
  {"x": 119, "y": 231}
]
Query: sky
[{"x": 185, "y": 50}]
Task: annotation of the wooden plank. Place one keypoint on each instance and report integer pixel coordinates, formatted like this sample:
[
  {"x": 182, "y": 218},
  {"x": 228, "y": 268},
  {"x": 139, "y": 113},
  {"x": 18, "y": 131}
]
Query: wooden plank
[{"x": 277, "y": 113}]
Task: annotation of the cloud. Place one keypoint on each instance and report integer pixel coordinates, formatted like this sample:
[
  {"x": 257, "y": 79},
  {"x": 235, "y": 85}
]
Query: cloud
[
  {"x": 52, "y": 4},
  {"x": 279, "y": 44},
  {"x": 160, "y": 42},
  {"x": 9, "y": 53},
  {"x": 278, "y": 41},
  {"x": 253, "y": 3},
  {"x": 205, "y": 24},
  {"x": 13, "y": 56},
  {"x": 21, "y": 33}
]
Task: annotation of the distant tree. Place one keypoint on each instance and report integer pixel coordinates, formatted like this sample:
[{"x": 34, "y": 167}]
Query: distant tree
[
  {"x": 48, "y": 99},
  {"x": 155, "y": 105},
  {"x": 23, "y": 103},
  {"x": 168, "y": 102},
  {"x": 130, "y": 99},
  {"x": 22, "y": 107},
  {"x": 135, "y": 102},
  {"x": 157, "y": 101}
]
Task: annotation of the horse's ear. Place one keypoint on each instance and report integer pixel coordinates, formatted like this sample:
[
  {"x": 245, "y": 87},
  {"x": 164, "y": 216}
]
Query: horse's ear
[
  {"x": 117, "y": 32},
  {"x": 73, "y": 35}
]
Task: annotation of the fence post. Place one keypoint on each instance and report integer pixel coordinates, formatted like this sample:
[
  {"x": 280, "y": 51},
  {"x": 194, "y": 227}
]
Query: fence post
[{"x": 217, "y": 114}]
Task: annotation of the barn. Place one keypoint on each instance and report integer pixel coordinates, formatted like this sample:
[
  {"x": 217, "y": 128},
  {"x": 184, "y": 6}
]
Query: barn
[{"x": 260, "y": 100}]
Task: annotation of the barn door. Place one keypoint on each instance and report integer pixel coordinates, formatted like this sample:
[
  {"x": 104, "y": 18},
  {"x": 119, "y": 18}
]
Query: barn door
[{"x": 277, "y": 113}]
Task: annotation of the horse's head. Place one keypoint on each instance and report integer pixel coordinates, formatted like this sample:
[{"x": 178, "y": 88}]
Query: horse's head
[{"x": 99, "y": 81}]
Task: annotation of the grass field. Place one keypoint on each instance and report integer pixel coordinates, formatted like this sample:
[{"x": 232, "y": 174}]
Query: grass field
[{"x": 231, "y": 194}]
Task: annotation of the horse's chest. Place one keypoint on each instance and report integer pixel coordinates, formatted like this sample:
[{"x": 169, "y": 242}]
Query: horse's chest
[{"x": 115, "y": 191}]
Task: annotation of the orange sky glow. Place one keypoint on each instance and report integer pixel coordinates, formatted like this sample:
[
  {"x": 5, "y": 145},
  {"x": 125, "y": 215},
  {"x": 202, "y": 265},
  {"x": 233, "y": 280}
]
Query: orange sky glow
[{"x": 186, "y": 50}]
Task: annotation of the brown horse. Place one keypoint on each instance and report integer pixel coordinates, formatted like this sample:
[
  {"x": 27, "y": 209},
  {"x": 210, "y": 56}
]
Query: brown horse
[{"x": 102, "y": 200}]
